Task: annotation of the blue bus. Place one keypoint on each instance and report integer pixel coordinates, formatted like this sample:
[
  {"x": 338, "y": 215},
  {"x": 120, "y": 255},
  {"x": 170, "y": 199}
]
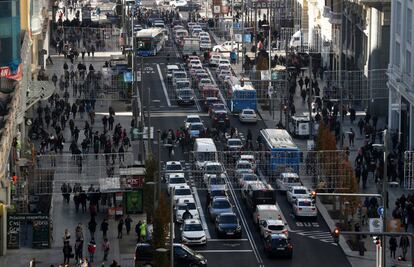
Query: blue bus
[
  {"x": 149, "y": 41},
  {"x": 240, "y": 96},
  {"x": 280, "y": 152}
]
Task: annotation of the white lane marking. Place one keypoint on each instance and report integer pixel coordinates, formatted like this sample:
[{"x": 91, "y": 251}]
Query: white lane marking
[
  {"x": 174, "y": 114},
  {"x": 163, "y": 86},
  {"x": 214, "y": 82},
  {"x": 225, "y": 251},
  {"x": 201, "y": 212},
  {"x": 228, "y": 240}
]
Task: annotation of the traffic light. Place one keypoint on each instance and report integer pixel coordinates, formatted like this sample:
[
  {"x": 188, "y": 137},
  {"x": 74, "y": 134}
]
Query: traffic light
[
  {"x": 335, "y": 234},
  {"x": 241, "y": 82}
]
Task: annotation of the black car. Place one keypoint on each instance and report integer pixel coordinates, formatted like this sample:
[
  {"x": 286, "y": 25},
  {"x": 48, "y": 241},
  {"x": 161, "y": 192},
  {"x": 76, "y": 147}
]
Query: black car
[
  {"x": 183, "y": 256},
  {"x": 278, "y": 245},
  {"x": 228, "y": 225},
  {"x": 185, "y": 96},
  {"x": 219, "y": 118}
]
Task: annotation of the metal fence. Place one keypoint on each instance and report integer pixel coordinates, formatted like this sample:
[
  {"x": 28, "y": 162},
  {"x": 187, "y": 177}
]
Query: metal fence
[{"x": 409, "y": 169}]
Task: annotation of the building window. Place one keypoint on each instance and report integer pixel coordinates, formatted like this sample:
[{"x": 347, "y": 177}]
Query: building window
[
  {"x": 408, "y": 62},
  {"x": 397, "y": 53},
  {"x": 409, "y": 22},
  {"x": 398, "y": 29}
]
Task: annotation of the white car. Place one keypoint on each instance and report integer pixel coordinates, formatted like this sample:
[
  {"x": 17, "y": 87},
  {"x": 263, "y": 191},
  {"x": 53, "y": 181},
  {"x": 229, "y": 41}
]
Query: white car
[
  {"x": 249, "y": 158},
  {"x": 213, "y": 167},
  {"x": 178, "y": 3},
  {"x": 268, "y": 227},
  {"x": 243, "y": 166},
  {"x": 175, "y": 179},
  {"x": 225, "y": 47},
  {"x": 192, "y": 232},
  {"x": 304, "y": 207},
  {"x": 248, "y": 115},
  {"x": 214, "y": 60},
  {"x": 204, "y": 81},
  {"x": 182, "y": 205},
  {"x": 203, "y": 33},
  {"x": 170, "y": 69},
  {"x": 246, "y": 178},
  {"x": 192, "y": 119},
  {"x": 223, "y": 74},
  {"x": 295, "y": 192},
  {"x": 222, "y": 67},
  {"x": 172, "y": 167},
  {"x": 286, "y": 180},
  {"x": 182, "y": 191}
]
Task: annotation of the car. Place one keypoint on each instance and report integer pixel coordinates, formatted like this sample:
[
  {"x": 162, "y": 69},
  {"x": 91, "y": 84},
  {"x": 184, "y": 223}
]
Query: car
[
  {"x": 191, "y": 119},
  {"x": 217, "y": 191},
  {"x": 266, "y": 212},
  {"x": 204, "y": 81},
  {"x": 200, "y": 75},
  {"x": 180, "y": 84},
  {"x": 219, "y": 205},
  {"x": 175, "y": 179},
  {"x": 248, "y": 115},
  {"x": 170, "y": 69},
  {"x": 225, "y": 47},
  {"x": 196, "y": 129},
  {"x": 182, "y": 191},
  {"x": 195, "y": 32},
  {"x": 236, "y": 145},
  {"x": 278, "y": 245},
  {"x": 243, "y": 166},
  {"x": 249, "y": 158},
  {"x": 216, "y": 106},
  {"x": 223, "y": 74},
  {"x": 304, "y": 207},
  {"x": 213, "y": 167},
  {"x": 185, "y": 96},
  {"x": 204, "y": 34},
  {"x": 172, "y": 167},
  {"x": 221, "y": 67},
  {"x": 192, "y": 233},
  {"x": 295, "y": 192},
  {"x": 214, "y": 60},
  {"x": 228, "y": 225},
  {"x": 178, "y": 75},
  {"x": 220, "y": 119},
  {"x": 247, "y": 178},
  {"x": 286, "y": 180},
  {"x": 215, "y": 181},
  {"x": 205, "y": 43},
  {"x": 224, "y": 61},
  {"x": 182, "y": 205},
  {"x": 183, "y": 256},
  {"x": 178, "y": 3},
  {"x": 209, "y": 102},
  {"x": 268, "y": 227},
  {"x": 194, "y": 62}
]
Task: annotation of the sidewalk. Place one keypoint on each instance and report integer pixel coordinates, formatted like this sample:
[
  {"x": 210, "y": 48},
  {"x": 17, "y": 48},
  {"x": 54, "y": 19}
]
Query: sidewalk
[{"x": 270, "y": 120}]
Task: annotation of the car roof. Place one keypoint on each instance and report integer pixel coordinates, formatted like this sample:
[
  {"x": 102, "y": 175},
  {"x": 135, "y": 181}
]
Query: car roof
[
  {"x": 275, "y": 222},
  {"x": 181, "y": 187},
  {"x": 248, "y": 109},
  {"x": 192, "y": 221},
  {"x": 176, "y": 175},
  {"x": 193, "y": 116},
  {"x": 220, "y": 198},
  {"x": 173, "y": 163},
  {"x": 185, "y": 200},
  {"x": 242, "y": 161},
  {"x": 228, "y": 214},
  {"x": 234, "y": 139},
  {"x": 196, "y": 123},
  {"x": 299, "y": 187},
  {"x": 173, "y": 67},
  {"x": 267, "y": 207},
  {"x": 246, "y": 157},
  {"x": 289, "y": 174}
]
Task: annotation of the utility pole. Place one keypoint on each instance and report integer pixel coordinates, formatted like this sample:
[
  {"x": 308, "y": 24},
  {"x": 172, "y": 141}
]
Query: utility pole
[
  {"x": 141, "y": 108},
  {"x": 242, "y": 22},
  {"x": 340, "y": 78},
  {"x": 310, "y": 97},
  {"x": 149, "y": 123},
  {"x": 159, "y": 163},
  {"x": 172, "y": 227},
  {"x": 385, "y": 197}
]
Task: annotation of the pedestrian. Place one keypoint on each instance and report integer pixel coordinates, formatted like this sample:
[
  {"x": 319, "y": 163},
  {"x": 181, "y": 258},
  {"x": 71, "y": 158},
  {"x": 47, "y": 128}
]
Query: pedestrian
[
  {"x": 361, "y": 125},
  {"x": 364, "y": 175},
  {"x": 120, "y": 226},
  {"x": 351, "y": 137},
  {"x": 105, "y": 122},
  {"x": 138, "y": 230},
  {"x": 404, "y": 244},
  {"x": 111, "y": 122},
  {"x": 79, "y": 232},
  {"x": 91, "y": 249},
  {"x": 66, "y": 237},
  {"x": 92, "y": 227},
  {"x": 104, "y": 227},
  {"x": 105, "y": 249},
  {"x": 143, "y": 231},
  {"x": 393, "y": 246},
  {"x": 67, "y": 253},
  {"x": 114, "y": 264},
  {"x": 300, "y": 82},
  {"x": 128, "y": 222}
]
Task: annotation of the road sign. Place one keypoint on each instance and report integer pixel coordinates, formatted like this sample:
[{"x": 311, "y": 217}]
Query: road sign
[
  {"x": 248, "y": 38},
  {"x": 216, "y": 9},
  {"x": 238, "y": 37},
  {"x": 380, "y": 211},
  {"x": 264, "y": 4},
  {"x": 375, "y": 225},
  {"x": 236, "y": 25}
]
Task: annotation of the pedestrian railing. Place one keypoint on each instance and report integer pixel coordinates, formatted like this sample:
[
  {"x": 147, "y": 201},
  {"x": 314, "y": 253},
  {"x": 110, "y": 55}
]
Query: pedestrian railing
[{"x": 409, "y": 169}]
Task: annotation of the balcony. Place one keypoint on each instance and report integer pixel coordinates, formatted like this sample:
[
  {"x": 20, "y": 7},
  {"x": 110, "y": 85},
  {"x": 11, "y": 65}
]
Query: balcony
[{"x": 335, "y": 17}]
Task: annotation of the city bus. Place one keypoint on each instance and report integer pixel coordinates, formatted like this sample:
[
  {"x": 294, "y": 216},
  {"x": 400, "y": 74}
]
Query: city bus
[
  {"x": 149, "y": 41},
  {"x": 240, "y": 95},
  {"x": 280, "y": 152}
]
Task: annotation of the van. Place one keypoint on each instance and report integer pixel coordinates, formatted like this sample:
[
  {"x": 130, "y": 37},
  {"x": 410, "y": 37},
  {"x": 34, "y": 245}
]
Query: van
[
  {"x": 258, "y": 193},
  {"x": 204, "y": 150},
  {"x": 286, "y": 180},
  {"x": 266, "y": 212}
]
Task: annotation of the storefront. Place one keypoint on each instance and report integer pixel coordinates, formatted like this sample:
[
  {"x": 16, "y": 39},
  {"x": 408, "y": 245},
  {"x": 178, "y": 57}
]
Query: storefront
[{"x": 28, "y": 230}]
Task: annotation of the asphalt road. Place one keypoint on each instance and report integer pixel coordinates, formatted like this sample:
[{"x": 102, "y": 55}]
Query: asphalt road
[{"x": 313, "y": 245}]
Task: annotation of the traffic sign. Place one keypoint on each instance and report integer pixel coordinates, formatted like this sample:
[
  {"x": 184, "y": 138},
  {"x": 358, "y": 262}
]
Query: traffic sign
[
  {"x": 236, "y": 25},
  {"x": 380, "y": 211},
  {"x": 375, "y": 225}
]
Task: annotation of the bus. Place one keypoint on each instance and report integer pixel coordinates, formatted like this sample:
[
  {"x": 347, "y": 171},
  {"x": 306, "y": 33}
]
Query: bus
[
  {"x": 149, "y": 41},
  {"x": 281, "y": 153},
  {"x": 240, "y": 95}
]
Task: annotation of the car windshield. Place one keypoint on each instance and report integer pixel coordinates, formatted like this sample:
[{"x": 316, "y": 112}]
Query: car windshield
[
  {"x": 191, "y": 206},
  {"x": 182, "y": 192},
  {"x": 183, "y": 85},
  {"x": 228, "y": 219},
  {"x": 276, "y": 227},
  {"x": 221, "y": 204},
  {"x": 217, "y": 193},
  {"x": 235, "y": 143},
  {"x": 191, "y": 120},
  {"x": 216, "y": 180},
  {"x": 300, "y": 191},
  {"x": 248, "y": 112},
  {"x": 219, "y": 107},
  {"x": 185, "y": 93},
  {"x": 196, "y": 127},
  {"x": 179, "y": 180},
  {"x": 173, "y": 167},
  {"x": 293, "y": 180},
  {"x": 193, "y": 227},
  {"x": 305, "y": 204},
  {"x": 214, "y": 168},
  {"x": 180, "y": 75},
  {"x": 250, "y": 177},
  {"x": 244, "y": 166}
]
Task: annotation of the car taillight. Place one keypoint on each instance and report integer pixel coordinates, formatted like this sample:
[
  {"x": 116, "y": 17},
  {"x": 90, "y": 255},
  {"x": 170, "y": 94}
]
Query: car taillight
[
  {"x": 290, "y": 247},
  {"x": 279, "y": 217},
  {"x": 300, "y": 208},
  {"x": 313, "y": 209}
]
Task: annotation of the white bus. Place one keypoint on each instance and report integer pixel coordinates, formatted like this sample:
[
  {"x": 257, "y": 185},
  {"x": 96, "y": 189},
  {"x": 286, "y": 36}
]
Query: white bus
[{"x": 150, "y": 41}]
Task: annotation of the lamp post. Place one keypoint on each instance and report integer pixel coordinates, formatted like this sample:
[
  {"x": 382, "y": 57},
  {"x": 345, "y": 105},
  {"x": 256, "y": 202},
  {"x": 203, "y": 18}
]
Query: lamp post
[{"x": 172, "y": 227}]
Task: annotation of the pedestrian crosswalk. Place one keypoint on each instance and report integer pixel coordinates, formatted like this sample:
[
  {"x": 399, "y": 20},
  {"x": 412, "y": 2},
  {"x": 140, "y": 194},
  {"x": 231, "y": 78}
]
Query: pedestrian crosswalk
[{"x": 323, "y": 236}]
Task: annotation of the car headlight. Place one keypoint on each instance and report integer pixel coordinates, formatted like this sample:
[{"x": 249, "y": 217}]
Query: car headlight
[
  {"x": 238, "y": 229},
  {"x": 203, "y": 261}
]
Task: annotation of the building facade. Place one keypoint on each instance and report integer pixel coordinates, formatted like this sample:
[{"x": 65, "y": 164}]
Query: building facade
[{"x": 401, "y": 73}]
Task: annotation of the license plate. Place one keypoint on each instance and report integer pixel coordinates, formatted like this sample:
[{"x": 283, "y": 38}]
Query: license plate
[
  {"x": 280, "y": 249},
  {"x": 230, "y": 233}
]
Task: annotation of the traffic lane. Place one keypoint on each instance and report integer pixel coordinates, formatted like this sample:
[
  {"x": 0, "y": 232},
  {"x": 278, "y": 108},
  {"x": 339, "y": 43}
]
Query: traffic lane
[
  {"x": 152, "y": 82},
  {"x": 229, "y": 257}
]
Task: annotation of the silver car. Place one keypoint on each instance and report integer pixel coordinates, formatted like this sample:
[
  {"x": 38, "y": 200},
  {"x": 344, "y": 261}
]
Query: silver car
[{"x": 219, "y": 205}]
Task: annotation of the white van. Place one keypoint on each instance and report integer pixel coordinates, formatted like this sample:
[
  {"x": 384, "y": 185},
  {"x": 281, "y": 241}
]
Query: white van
[
  {"x": 266, "y": 212},
  {"x": 286, "y": 180},
  {"x": 204, "y": 150}
]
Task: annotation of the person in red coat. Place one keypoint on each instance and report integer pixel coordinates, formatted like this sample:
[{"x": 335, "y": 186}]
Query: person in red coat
[{"x": 91, "y": 249}]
